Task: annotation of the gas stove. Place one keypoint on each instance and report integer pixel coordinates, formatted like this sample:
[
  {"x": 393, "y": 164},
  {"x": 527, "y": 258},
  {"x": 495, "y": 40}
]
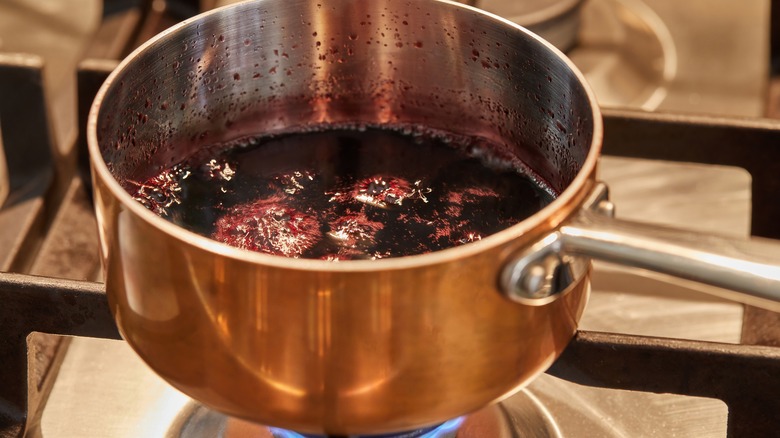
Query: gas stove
[{"x": 691, "y": 365}]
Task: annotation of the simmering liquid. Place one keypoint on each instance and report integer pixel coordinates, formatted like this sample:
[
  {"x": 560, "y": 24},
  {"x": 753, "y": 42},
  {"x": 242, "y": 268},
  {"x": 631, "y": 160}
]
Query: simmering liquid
[{"x": 344, "y": 194}]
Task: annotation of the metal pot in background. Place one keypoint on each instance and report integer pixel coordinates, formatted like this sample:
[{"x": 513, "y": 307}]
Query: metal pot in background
[
  {"x": 206, "y": 5},
  {"x": 557, "y": 21}
]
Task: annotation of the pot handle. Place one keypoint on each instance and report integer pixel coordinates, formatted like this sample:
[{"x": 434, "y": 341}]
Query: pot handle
[{"x": 749, "y": 268}]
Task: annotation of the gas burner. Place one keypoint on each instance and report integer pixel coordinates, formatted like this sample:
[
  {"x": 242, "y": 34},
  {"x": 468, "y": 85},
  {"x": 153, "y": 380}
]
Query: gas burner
[
  {"x": 447, "y": 429},
  {"x": 520, "y": 415}
]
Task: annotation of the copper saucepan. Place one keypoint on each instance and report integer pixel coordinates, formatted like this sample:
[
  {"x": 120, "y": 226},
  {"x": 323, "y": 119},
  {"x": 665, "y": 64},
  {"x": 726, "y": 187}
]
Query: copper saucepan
[{"x": 364, "y": 346}]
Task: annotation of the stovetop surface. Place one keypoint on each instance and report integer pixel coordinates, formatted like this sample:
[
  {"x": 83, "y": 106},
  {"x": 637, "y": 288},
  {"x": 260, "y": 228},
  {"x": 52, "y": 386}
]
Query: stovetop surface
[{"x": 684, "y": 67}]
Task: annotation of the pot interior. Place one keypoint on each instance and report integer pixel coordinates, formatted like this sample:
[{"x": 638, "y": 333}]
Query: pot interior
[{"x": 279, "y": 66}]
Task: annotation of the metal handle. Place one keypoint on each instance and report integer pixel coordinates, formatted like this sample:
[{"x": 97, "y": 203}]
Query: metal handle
[{"x": 750, "y": 269}]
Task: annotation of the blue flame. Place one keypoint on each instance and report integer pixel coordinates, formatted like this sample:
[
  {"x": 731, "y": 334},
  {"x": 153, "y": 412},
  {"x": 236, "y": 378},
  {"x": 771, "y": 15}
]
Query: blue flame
[
  {"x": 445, "y": 428},
  {"x": 441, "y": 431},
  {"x": 283, "y": 433}
]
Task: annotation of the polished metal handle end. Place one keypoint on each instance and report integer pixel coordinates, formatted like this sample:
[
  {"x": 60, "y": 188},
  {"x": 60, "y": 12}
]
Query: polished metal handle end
[
  {"x": 542, "y": 273},
  {"x": 546, "y": 271}
]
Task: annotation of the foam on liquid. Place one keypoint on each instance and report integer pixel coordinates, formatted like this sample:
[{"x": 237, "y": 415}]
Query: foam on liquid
[{"x": 342, "y": 193}]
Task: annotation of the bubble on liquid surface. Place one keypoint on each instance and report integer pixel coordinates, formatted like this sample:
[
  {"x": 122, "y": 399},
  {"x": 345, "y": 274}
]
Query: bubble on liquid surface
[
  {"x": 270, "y": 226},
  {"x": 162, "y": 191},
  {"x": 382, "y": 192},
  {"x": 354, "y": 231},
  {"x": 294, "y": 182}
]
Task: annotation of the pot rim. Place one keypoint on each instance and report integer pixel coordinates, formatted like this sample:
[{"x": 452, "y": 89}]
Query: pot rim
[{"x": 568, "y": 196}]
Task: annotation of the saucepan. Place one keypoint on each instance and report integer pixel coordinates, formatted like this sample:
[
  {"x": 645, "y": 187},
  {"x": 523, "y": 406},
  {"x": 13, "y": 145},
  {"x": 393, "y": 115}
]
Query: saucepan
[{"x": 366, "y": 346}]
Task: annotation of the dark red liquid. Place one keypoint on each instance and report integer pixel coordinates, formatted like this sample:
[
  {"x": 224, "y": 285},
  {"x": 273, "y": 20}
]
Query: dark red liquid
[{"x": 342, "y": 194}]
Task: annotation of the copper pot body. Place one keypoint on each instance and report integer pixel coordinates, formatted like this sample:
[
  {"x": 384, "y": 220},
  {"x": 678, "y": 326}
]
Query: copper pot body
[{"x": 349, "y": 347}]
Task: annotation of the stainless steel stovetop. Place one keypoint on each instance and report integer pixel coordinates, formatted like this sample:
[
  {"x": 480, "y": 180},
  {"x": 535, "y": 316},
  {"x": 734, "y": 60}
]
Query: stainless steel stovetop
[{"x": 653, "y": 55}]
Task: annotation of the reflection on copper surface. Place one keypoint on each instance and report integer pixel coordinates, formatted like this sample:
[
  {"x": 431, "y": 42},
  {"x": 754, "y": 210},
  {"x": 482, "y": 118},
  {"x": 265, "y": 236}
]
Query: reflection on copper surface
[{"x": 320, "y": 331}]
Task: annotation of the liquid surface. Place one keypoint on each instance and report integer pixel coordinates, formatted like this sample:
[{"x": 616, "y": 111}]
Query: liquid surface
[{"x": 344, "y": 194}]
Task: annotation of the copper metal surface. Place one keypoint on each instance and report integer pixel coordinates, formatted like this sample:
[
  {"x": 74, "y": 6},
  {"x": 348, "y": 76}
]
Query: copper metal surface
[{"x": 353, "y": 347}]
